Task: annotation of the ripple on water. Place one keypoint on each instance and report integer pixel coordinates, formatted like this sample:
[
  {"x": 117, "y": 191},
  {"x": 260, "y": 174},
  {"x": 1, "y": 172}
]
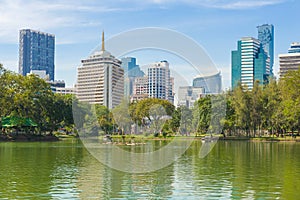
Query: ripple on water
[{"x": 233, "y": 170}]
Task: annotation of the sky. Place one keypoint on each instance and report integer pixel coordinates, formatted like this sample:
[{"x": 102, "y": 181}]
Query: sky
[{"x": 216, "y": 25}]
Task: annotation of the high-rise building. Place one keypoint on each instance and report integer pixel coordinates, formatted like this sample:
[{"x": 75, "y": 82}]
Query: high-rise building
[
  {"x": 36, "y": 52},
  {"x": 266, "y": 38},
  {"x": 289, "y": 61},
  {"x": 295, "y": 48},
  {"x": 211, "y": 84},
  {"x": 188, "y": 95},
  {"x": 100, "y": 79},
  {"x": 131, "y": 71},
  {"x": 140, "y": 88},
  {"x": 160, "y": 83},
  {"x": 249, "y": 63}
]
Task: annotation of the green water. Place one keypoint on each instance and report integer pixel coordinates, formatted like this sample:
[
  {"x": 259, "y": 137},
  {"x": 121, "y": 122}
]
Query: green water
[{"x": 233, "y": 170}]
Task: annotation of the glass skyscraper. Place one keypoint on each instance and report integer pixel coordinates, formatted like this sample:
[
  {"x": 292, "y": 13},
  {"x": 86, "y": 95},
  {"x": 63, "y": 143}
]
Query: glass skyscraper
[
  {"x": 211, "y": 84},
  {"x": 36, "y": 52},
  {"x": 249, "y": 63},
  {"x": 266, "y": 38},
  {"x": 131, "y": 71}
]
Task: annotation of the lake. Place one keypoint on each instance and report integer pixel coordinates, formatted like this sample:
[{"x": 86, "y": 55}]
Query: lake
[{"x": 232, "y": 170}]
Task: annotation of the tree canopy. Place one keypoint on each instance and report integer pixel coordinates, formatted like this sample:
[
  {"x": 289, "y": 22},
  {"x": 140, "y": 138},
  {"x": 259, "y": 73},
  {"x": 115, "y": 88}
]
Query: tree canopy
[{"x": 31, "y": 97}]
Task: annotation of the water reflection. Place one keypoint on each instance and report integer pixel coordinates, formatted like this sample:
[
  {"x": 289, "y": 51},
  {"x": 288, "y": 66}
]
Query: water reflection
[
  {"x": 233, "y": 170},
  {"x": 103, "y": 182},
  {"x": 38, "y": 170}
]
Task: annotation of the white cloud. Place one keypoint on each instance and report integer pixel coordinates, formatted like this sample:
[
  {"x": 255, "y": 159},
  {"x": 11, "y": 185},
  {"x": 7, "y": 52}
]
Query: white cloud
[
  {"x": 220, "y": 4},
  {"x": 43, "y": 15},
  {"x": 247, "y": 4},
  {"x": 57, "y": 14}
]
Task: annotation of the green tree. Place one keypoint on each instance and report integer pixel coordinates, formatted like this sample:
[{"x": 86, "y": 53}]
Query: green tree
[
  {"x": 31, "y": 97},
  {"x": 290, "y": 90},
  {"x": 230, "y": 119},
  {"x": 186, "y": 120},
  {"x": 257, "y": 108},
  {"x": 148, "y": 111},
  {"x": 202, "y": 114},
  {"x": 121, "y": 115},
  {"x": 271, "y": 107},
  {"x": 105, "y": 118}
]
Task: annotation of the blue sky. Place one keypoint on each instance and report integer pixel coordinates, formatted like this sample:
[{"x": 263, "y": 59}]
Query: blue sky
[{"x": 215, "y": 24}]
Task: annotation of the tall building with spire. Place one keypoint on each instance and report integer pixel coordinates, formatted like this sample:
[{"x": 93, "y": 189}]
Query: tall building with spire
[{"x": 100, "y": 79}]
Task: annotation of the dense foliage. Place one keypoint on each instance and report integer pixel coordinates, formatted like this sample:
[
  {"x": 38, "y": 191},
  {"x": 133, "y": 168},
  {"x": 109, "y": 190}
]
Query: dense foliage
[
  {"x": 31, "y": 97},
  {"x": 270, "y": 109}
]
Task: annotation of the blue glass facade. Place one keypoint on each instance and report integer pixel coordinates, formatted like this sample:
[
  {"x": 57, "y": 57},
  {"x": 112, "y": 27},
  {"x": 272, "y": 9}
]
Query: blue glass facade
[
  {"x": 266, "y": 38},
  {"x": 236, "y": 66},
  {"x": 260, "y": 70},
  {"x": 295, "y": 48},
  {"x": 36, "y": 52},
  {"x": 131, "y": 70},
  {"x": 211, "y": 84},
  {"x": 249, "y": 63}
]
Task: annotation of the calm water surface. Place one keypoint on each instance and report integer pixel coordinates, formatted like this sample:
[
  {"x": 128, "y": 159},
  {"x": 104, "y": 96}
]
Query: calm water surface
[{"x": 233, "y": 170}]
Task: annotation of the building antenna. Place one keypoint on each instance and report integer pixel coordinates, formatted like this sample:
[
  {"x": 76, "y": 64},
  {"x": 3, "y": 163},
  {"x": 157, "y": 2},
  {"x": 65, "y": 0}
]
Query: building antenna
[{"x": 102, "y": 41}]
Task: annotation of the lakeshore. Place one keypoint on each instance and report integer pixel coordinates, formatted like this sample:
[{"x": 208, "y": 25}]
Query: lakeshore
[
  {"x": 28, "y": 138},
  {"x": 51, "y": 138},
  {"x": 220, "y": 137}
]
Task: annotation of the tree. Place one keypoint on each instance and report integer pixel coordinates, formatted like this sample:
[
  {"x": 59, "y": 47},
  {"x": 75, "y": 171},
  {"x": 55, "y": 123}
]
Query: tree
[
  {"x": 257, "y": 108},
  {"x": 202, "y": 114},
  {"x": 290, "y": 90},
  {"x": 271, "y": 107},
  {"x": 105, "y": 118},
  {"x": 186, "y": 120},
  {"x": 31, "y": 97},
  {"x": 121, "y": 115},
  {"x": 149, "y": 111},
  {"x": 230, "y": 119}
]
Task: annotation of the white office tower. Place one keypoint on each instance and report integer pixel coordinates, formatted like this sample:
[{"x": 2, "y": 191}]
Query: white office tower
[
  {"x": 140, "y": 89},
  {"x": 160, "y": 84},
  {"x": 290, "y": 61},
  {"x": 100, "y": 79}
]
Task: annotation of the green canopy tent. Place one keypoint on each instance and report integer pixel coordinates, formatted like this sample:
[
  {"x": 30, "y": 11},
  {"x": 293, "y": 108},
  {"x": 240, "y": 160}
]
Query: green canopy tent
[{"x": 13, "y": 121}]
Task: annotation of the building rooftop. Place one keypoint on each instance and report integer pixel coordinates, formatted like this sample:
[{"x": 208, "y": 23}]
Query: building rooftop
[
  {"x": 207, "y": 75},
  {"x": 40, "y": 32}
]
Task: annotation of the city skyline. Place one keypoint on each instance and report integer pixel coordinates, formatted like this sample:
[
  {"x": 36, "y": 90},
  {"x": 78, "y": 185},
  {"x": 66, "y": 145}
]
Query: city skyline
[{"x": 78, "y": 29}]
